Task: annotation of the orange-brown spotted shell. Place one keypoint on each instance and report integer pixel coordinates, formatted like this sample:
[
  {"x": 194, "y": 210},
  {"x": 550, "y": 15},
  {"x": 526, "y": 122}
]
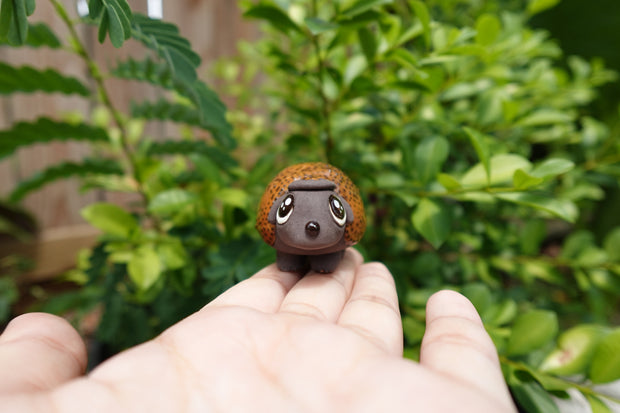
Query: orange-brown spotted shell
[{"x": 312, "y": 171}]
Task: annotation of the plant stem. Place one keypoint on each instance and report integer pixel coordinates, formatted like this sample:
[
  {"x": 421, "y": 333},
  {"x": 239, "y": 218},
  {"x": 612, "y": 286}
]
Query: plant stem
[{"x": 103, "y": 94}]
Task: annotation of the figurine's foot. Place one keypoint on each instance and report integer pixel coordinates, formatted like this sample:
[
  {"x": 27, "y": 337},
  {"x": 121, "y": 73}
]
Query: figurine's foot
[
  {"x": 292, "y": 263},
  {"x": 327, "y": 262}
]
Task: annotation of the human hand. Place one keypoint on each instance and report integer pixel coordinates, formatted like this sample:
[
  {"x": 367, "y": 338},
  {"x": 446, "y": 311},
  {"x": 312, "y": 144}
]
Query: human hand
[{"x": 274, "y": 342}]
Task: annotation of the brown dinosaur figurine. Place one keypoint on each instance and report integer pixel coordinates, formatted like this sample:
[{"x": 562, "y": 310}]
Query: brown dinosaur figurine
[{"x": 310, "y": 213}]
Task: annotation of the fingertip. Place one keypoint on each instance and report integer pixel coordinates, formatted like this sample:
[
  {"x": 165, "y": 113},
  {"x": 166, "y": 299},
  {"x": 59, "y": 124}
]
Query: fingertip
[
  {"x": 47, "y": 347},
  {"x": 449, "y": 303},
  {"x": 50, "y": 328}
]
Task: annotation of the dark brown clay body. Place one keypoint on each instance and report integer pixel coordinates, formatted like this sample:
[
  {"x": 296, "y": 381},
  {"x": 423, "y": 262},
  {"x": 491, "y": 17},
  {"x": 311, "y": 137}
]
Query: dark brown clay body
[{"x": 310, "y": 213}]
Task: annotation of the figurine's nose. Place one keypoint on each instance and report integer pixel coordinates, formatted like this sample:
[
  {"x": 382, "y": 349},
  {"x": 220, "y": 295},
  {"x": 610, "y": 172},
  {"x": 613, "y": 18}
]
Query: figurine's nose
[{"x": 312, "y": 229}]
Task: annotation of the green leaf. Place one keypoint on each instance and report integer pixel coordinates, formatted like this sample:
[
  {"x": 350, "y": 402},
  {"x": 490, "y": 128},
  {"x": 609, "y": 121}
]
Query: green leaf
[
  {"x": 211, "y": 112},
  {"x": 172, "y": 254},
  {"x": 531, "y": 236},
  {"x": 28, "y": 79},
  {"x": 488, "y": 27},
  {"x": 164, "y": 110},
  {"x": 544, "y": 117},
  {"x": 532, "y": 330},
  {"x": 552, "y": 167},
  {"x": 146, "y": 70},
  {"x": 605, "y": 365},
  {"x": 501, "y": 169},
  {"x": 561, "y": 208},
  {"x": 407, "y": 59},
  {"x": 277, "y": 18},
  {"x": 478, "y": 141},
  {"x": 115, "y": 20},
  {"x": 110, "y": 218},
  {"x": 171, "y": 201},
  {"x": 597, "y": 405},
  {"x": 45, "y": 130},
  {"x": 537, "y": 6},
  {"x": 612, "y": 244},
  {"x": 39, "y": 34},
  {"x": 480, "y": 296},
  {"x": 63, "y": 170},
  {"x": 362, "y": 6},
  {"x": 165, "y": 40},
  {"x": 433, "y": 220},
  {"x": 522, "y": 180},
  {"x": 574, "y": 351},
  {"x": 533, "y": 398},
  {"x": 448, "y": 181},
  {"x": 14, "y": 20},
  {"x": 186, "y": 147},
  {"x": 356, "y": 65},
  {"x": 318, "y": 26},
  {"x": 144, "y": 267},
  {"x": 502, "y": 313},
  {"x": 233, "y": 197},
  {"x": 421, "y": 11},
  {"x": 9, "y": 294},
  {"x": 430, "y": 155},
  {"x": 368, "y": 42}
]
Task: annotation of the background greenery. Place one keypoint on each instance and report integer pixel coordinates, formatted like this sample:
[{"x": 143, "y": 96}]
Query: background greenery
[{"x": 486, "y": 155}]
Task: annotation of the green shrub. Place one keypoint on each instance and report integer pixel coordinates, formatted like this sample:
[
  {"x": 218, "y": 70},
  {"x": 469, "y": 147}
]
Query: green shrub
[{"x": 467, "y": 131}]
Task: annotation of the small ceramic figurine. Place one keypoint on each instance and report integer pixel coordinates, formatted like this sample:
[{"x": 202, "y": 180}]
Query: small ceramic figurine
[{"x": 310, "y": 213}]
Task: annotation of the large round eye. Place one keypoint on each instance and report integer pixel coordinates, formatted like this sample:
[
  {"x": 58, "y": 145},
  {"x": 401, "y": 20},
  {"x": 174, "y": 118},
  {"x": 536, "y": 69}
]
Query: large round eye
[
  {"x": 337, "y": 210},
  {"x": 285, "y": 210}
]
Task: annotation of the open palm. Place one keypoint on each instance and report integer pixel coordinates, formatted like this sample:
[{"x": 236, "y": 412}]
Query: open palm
[{"x": 274, "y": 342}]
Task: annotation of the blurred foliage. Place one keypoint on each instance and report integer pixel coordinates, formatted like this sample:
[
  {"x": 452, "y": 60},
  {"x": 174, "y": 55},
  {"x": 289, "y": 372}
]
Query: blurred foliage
[
  {"x": 470, "y": 133},
  {"x": 16, "y": 226}
]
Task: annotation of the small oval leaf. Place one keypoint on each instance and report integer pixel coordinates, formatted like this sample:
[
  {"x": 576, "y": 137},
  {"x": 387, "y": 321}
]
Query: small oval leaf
[
  {"x": 605, "y": 365},
  {"x": 433, "y": 220},
  {"x": 144, "y": 267},
  {"x": 532, "y": 330},
  {"x": 110, "y": 218}
]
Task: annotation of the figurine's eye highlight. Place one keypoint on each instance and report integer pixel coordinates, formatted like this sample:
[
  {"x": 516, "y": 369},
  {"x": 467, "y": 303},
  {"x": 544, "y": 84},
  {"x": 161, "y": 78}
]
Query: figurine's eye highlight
[
  {"x": 337, "y": 209},
  {"x": 285, "y": 210}
]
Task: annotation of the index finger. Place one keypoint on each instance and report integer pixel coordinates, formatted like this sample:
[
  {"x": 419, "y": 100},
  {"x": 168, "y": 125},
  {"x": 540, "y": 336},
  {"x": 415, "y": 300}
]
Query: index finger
[{"x": 264, "y": 291}]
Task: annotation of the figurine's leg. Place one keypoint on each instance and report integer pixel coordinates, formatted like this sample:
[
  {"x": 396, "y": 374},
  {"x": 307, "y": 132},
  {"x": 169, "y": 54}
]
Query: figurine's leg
[
  {"x": 292, "y": 262},
  {"x": 327, "y": 262}
]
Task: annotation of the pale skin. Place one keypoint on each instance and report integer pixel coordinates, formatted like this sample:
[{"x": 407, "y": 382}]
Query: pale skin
[{"x": 276, "y": 342}]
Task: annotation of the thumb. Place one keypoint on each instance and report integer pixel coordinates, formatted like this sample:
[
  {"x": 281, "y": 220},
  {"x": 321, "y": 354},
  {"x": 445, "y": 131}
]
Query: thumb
[
  {"x": 39, "y": 351},
  {"x": 456, "y": 345}
]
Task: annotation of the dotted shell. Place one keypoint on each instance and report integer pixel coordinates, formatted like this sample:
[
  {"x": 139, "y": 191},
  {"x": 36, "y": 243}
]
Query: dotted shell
[{"x": 312, "y": 171}]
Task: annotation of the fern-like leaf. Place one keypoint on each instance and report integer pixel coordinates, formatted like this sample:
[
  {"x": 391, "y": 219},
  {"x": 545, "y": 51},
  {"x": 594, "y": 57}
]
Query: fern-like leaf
[
  {"x": 62, "y": 171},
  {"x": 183, "y": 147},
  {"x": 165, "y": 40},
  {"x": 28, "y": 79},
  {"x": 165, "y": 110},
  {"x": 45, "y": 130},
  {"x": 147, "y": 70},
  {"x": 14, "y": 20},
  {"x": 39, "y": 35},
  {"x": 114, "y": 17},
  {"x": 210, "y": 110}
]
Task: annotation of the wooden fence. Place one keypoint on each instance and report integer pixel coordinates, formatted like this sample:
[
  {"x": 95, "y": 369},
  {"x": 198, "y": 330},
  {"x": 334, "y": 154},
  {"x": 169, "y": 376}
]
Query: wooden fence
[{"x": 212, "y": 26}]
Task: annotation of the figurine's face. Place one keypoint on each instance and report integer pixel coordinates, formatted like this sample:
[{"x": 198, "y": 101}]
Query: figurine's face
[{"x": 310, "y": 217}]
